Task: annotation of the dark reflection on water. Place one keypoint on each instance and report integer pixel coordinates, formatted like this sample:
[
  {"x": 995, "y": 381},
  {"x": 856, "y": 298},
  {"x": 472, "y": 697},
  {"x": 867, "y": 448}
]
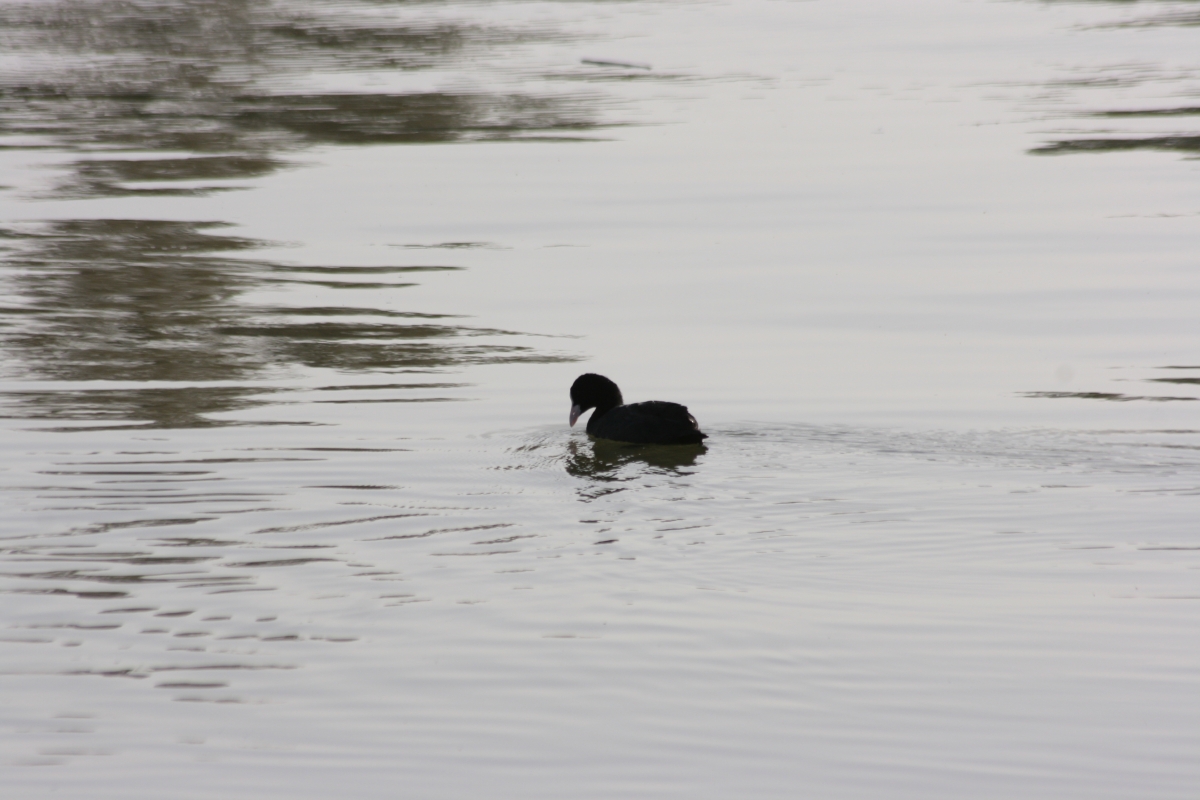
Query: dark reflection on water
[
  {"x": 153, "y": 300},
  {"x": 219, "y": 80},
  {"x": 178, "y": 99},
  {"x": 1175, "y": 16},
  {"x": 599, "y": 460},
  {"x": 1121, "y": 397},
  {"x": 1123, "y": 113},
  {"x": 1113, "y": 140},
  {"x": 130, "y": 300},
  {"x": 134, "y": 408},
  {"x": 1113, "y": 396},
  {"x": 1180, "y": 144},
  {"x": 105, "y": 177}
]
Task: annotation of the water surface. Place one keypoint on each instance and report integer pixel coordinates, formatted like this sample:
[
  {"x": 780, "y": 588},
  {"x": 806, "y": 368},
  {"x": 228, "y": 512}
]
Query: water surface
[{"x": 293, "y": 296}]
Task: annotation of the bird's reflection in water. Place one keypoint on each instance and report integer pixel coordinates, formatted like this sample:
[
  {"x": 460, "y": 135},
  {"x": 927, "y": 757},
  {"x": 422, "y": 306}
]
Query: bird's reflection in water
[{"x": 601, "y": 460}]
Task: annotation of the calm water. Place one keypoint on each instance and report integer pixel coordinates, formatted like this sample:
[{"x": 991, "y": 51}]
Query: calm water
[{"x": 292, "y": 297}]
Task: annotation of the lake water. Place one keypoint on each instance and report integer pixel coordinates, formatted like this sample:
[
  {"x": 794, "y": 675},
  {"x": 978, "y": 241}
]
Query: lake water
[{"x": 292, "y": 298}]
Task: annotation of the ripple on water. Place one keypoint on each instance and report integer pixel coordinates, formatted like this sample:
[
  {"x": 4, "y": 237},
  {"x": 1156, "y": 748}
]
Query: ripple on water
[{"x": 810, "y": 565}]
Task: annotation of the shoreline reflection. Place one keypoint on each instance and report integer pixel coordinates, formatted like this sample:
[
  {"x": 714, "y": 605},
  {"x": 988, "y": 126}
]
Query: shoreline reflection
[
  {"x": 195, "y": 95},
  {"x": 159, "y": 301}
]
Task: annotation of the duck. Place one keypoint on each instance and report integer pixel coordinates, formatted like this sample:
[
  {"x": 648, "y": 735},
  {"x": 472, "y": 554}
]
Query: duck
[{"x": 649, "y": 422}]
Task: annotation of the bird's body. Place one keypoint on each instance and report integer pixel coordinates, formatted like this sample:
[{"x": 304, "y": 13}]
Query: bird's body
[{"x": 651, "y": 422}]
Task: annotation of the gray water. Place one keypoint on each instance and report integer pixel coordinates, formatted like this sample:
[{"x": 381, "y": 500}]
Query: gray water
[{"x": 292, "y": 297}]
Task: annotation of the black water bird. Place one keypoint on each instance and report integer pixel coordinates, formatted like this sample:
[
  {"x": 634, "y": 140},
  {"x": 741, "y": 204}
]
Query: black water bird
[{"x": 652, "y": 422}]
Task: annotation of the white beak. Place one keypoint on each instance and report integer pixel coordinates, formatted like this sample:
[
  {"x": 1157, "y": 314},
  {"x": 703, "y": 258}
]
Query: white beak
[{"x": 575, "y": 412}]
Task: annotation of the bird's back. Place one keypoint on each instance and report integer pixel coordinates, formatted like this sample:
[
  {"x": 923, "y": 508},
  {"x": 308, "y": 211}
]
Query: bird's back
[{"x": 651, "y": 422}]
